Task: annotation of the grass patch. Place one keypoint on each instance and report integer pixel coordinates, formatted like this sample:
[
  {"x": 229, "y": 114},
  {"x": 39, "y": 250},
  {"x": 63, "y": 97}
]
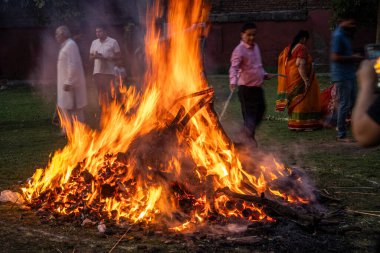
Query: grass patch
[{"x": 27, "y": 137}]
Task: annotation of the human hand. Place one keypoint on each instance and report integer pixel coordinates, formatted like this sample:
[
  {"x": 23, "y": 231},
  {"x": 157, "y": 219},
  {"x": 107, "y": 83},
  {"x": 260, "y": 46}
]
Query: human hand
[
  {"x": 99, "y": 56},
  {"x": 232, "y": 86},
  {"x": 307, "y": 83},
  {"x": 366, "y": 75}
]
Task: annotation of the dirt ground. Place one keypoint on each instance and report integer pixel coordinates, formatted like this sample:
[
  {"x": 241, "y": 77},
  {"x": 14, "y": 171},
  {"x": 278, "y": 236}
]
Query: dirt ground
[
  {"x": 24, "y": 233},
  {"x": 344, "y": 171},
  {"x": 21, "y": 230}
]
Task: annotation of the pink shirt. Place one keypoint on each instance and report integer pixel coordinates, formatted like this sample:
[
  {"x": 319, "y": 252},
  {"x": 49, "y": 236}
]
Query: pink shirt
[{"x": 246, "y": 66}]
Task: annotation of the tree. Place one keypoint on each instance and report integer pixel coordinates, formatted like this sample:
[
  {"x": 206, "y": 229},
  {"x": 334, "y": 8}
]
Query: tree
[
  {"x": 48, "y": 11},
  {"x": 364, "y": 11},
  {"x": 59, "y": 11}
]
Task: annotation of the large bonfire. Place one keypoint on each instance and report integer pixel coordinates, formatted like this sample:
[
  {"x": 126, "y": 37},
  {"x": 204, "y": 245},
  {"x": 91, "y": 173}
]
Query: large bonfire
[{"x": 161, "y": 155}]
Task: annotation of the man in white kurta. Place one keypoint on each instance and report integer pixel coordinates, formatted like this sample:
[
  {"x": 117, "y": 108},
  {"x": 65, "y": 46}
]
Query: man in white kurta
[
  {"x": 71, "y": 84},
  {"x": 104, "y": 51}
]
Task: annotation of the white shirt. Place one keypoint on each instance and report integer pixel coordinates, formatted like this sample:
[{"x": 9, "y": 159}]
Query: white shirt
[
  {"x": 70, "y": 72},
  {"x": 108, "y": 48}
]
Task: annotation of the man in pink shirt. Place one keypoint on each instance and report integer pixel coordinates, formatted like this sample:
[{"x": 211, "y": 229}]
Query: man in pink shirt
[{"x": 247, "y": 73}]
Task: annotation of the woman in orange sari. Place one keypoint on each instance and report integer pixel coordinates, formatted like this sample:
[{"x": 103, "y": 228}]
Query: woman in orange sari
[{"x": 299, "y": 90}]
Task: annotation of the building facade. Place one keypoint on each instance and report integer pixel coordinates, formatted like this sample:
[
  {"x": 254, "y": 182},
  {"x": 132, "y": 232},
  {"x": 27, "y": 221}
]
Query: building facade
[{"x": 28, "y": 44}]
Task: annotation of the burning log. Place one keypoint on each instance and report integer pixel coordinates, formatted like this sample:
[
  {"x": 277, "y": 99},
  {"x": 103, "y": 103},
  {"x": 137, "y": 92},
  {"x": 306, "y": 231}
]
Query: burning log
[
  {"x": 162, "y": 154},
  {"x": 210, "y": 192},
  {"x": 273, "y": 208}
]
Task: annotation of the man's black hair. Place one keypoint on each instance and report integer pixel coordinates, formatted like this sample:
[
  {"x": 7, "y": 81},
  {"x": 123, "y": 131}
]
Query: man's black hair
[
  {"x": 248, "y": 26},
  {"x": 102, "y": 26}
]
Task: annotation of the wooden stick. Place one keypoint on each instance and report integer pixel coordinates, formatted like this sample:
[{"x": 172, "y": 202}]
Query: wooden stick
[
  {"x": 325, "y": 194},
  {"x": 121, "y": 238},
  {"x": 226, "y": 104},
  {"x": 282, "y": 75},
  {"x": 365, "y": 213},
  {"x": 350, "y": 187},
  {"x": 363, "y": 193},
  {"x": 281, "y": 210}
]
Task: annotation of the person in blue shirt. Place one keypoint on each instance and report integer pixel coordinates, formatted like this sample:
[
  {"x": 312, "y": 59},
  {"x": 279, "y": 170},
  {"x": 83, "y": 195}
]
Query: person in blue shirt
[{"x": 343, "y": 68}]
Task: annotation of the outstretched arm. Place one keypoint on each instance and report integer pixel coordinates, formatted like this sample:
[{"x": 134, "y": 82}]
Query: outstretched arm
[{"x": 346, "y": 58}]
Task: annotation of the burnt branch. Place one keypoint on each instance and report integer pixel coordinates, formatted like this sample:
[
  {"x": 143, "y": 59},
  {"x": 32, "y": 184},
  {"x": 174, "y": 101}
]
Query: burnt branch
[{"x": 272, "y": 207}]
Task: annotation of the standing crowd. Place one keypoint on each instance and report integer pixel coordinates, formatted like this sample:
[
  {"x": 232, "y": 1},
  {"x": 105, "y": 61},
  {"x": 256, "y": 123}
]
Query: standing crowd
[
  {"x": 71, "y": 84},
  {"x": 298, "y": 89}
]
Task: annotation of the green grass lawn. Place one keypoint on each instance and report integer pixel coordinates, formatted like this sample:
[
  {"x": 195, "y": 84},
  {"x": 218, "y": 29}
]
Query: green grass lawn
[
  {"x": 347, "y": 171},
  {"x": 27, "y": 136}
]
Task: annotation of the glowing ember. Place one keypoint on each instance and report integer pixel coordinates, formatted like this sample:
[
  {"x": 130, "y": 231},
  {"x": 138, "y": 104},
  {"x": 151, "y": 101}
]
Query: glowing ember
[{"x": 160, "y": 156}]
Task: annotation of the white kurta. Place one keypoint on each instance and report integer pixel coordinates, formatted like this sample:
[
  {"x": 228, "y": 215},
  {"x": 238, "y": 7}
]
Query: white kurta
[{"x": 70, "y": 72}]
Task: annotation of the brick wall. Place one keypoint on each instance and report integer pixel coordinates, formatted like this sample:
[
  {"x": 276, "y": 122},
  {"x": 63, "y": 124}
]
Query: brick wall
[
  {"x": 278, "y": 21},
  {"x": 230, "y": 6},
  {"x": 318, "y": 4}
]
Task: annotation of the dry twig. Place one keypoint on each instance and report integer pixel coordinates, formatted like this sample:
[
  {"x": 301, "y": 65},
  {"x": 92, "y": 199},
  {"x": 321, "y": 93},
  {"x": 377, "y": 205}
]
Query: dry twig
[
  {"x": 364, "y": 213},
  {"x": 121, "y": 238},
  {"x": 362, "y": 193},
  {"x": 351, "y": 187}
]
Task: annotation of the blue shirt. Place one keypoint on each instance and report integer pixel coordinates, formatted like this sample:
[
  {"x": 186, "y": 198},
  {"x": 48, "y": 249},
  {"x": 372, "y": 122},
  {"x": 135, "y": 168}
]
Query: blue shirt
[{"x": 341, "y": 44}]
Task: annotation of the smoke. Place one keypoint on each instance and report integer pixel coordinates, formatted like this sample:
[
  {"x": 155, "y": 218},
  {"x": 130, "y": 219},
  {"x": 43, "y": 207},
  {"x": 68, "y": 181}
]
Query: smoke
[
  {"x": 126, "y": 23},
  {"x": 288, "y": 179}
]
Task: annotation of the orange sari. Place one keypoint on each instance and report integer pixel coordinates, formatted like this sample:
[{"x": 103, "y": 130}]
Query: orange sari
[{"x": 303, "y": 103}]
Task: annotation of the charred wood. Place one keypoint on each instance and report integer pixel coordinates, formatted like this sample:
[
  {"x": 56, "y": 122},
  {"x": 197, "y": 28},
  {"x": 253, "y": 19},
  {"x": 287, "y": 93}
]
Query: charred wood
[{"x": 273, "y": 208}]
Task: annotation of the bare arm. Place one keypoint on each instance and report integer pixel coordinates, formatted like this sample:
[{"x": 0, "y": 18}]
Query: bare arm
[
  {"x": 92, "y": 57},
  {"x": 301, "y": 64},
  {"x": 97, "y": 55},
  {"x": 345, "y": 58},
  {"x": 92, "y": 52},
  {"x": 365, "y": 129},
  {"x": 101, "y": 57},
  {"x": 336, "y": 55}
]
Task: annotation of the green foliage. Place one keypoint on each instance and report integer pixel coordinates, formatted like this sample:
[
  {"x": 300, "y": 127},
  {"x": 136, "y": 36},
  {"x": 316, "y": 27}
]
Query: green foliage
[
  {"x": 39, "y": 3},
  {"x": 60, "y": 11},
  {"x": 27, "y": 136},
  {"x": 364, "y": 11}
]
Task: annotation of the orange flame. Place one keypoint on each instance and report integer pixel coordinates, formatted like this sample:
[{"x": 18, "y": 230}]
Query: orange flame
[{"x": 113, "y": 172}]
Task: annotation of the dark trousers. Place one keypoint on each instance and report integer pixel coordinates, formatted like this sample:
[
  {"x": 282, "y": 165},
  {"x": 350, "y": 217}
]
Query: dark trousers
[
  {"x": 346, "y": 94},
  {"x": 252, "y": 107},
  {"x": 103, "y": 84}
]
